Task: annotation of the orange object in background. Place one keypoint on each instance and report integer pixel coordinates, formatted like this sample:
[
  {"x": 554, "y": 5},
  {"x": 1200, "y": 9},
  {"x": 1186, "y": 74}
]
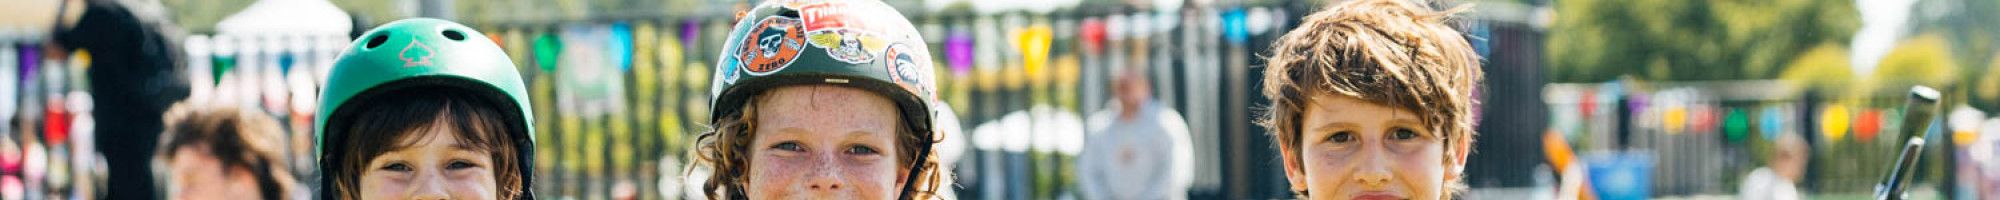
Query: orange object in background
[
  {"x": 1574, "y": 184},
  {"x": 1867, "y": 125},
  {"x": 1557, "y": 149}
]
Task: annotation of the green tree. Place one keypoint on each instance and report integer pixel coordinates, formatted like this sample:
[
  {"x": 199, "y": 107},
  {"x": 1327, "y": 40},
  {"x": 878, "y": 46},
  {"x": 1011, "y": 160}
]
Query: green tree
[
  {"x": 1925, "y": 59},
  {"x": 1824, "y": 67},
  {"x": 1986, "y": 88},
  {"x": 1599, "y": 40}
]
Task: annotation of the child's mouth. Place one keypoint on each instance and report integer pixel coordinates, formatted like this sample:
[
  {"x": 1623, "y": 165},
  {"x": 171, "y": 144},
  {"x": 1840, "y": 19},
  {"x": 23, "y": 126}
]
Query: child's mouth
[{"x": 1378, "y": 196}]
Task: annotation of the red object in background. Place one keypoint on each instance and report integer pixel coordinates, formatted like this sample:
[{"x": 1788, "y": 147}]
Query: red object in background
[
  {"x": 55, "y": 123},
  {"x": 1867, "y": 125},
  {"x": 496, "y": 40},
  {"x": 10, "y": 160},
  {"x": 1589, "y": 103},
  {"x": 1093, "y": 35},
  {"x": 1703, "y": 119}
]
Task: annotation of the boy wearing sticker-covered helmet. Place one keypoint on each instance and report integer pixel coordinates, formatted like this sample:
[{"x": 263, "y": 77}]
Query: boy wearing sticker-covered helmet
[{"x": 822, "y": 99}]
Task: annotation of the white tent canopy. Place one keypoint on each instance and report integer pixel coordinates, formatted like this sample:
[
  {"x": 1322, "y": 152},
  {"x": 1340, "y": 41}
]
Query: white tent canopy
[{"x": 299, "y": 17}]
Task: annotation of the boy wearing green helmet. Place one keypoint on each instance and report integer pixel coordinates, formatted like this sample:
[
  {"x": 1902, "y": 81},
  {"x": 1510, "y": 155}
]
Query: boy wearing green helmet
[
  {"x": 424, "y": 109},
  {"x": 821, "y": 99}
]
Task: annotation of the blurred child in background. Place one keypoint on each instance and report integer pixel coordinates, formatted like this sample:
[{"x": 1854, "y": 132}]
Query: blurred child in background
[
  {"x": 1776, "y": 181},
  {"x": 220, "y": 151}
]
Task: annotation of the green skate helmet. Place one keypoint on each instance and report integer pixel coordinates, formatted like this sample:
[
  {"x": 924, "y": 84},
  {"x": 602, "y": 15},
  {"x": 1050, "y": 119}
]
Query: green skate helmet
[{"x": 421, "y": 53}]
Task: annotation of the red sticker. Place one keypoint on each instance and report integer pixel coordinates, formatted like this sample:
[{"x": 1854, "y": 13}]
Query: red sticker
[{"x": 842, "y": 15}]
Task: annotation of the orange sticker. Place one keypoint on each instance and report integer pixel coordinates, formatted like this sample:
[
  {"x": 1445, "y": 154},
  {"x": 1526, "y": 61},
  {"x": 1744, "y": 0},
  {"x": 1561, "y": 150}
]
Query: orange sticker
[{"x": 771, "y": 46}]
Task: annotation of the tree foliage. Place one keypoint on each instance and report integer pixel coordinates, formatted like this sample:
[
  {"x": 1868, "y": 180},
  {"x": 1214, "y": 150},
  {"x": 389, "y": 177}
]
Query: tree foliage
[{"x": 1599, "y": 40}]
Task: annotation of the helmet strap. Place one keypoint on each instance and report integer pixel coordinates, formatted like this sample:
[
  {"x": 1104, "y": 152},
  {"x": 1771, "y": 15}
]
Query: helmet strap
[{"x": 916, "y": 169}]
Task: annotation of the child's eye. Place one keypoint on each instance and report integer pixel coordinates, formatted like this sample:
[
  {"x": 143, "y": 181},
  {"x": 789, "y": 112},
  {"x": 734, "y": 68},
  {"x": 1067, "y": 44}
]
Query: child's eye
[
  {"x": 460, "y": 165},
  {"x": 788, "y": 146},
  {"x": 397, "y": 167},
  {"x": 1341, "y": 137},
  {"x": 1403, "y": 134},
  {"x": 861, "y": 150}
]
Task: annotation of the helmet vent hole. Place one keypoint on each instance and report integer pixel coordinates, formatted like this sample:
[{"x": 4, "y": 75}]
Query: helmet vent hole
[
  {"x": 454, "y": 35},
  {"x": 377, "y": 40}
]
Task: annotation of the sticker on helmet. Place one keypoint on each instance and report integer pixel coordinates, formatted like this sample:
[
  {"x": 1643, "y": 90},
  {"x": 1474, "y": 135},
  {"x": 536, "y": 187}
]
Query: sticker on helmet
[
  {"x": 909, "y": 71},
  {"x": 837, "y": 14},
  {"x": 795, "y": 4},
  {"x": 730, "y": 68},
  {"x": 771, "y": 45},
  {"x": 421, "y": 56},
  {"x": 843, "y": 45}
]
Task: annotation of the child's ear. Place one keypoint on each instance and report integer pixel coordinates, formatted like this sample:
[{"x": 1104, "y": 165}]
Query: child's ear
[
  {"x": 1294, "y": 172},
  {"x": 903, "y": 179},
  {"x": 1460, "y": 149}
]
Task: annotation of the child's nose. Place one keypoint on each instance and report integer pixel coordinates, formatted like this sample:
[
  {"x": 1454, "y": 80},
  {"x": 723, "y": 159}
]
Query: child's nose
[
  {"x": 429, "y": 186},
  {"x": 1372, "y": 177},
  {"x": 825, "y": 175},
  {"x": 1373, "y": 172}
]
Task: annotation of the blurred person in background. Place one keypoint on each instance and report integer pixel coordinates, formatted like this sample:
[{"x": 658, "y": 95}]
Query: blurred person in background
[
  {"x": 1372, "y": 99},
  {"x": 219, "y": 151},
  {"x": 1143, "y": 153},
  {"x": 1776, "y": 181},
  {"x": 425, "y": 109},
  {"x": 135, "y": 74},
  {"x": 848, "y": 117}
]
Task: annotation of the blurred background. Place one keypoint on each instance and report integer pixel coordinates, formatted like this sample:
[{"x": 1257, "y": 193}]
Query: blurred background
[{"x": 1594, "y": 99}]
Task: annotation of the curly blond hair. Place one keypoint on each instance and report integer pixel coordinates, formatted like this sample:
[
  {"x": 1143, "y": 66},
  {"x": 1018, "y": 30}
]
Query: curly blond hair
[
  {"x": 726, "y": 148},
  {"x": 1391, "y": 52}
]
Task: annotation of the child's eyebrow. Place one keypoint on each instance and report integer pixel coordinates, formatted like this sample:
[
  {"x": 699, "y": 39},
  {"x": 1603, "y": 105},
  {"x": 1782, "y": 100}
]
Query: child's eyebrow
[
  {"x": 468, "y": 147},
  {"x": 858, "y": 134},
  {"x": 782, "y": 134},
  {"x": 1330, "y": 126},
  {"x": 1422, "y": 129},
  {"x": 859, "y": 137},
  {"x": 789, "y": 131},
  {"x": 1406, "y": 121}
]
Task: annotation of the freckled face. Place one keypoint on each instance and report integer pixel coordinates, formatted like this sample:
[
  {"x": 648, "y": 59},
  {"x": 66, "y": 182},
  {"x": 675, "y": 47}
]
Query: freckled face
[{"x": 824, "y": 142}]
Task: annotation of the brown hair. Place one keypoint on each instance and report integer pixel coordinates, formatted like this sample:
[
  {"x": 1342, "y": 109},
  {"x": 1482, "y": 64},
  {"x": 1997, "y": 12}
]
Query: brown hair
[
  {"x": 235, "y": 137},
  {"x": 372, "y": 128},
  {"x": 724, "y": 149},
  {"x": 1391, "y": 52}
]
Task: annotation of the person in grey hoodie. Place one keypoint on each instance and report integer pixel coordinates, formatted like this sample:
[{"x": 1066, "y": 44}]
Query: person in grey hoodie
[{"x": 1143, "y": 153}]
